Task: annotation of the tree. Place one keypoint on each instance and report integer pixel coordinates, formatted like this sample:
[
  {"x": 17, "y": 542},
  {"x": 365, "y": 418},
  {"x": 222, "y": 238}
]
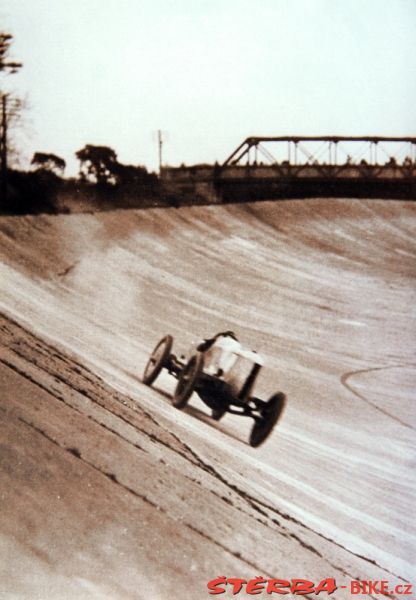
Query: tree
[
  {"x": 7, "y": 109},
  {"x": 130, "y": 175},
  {"x": 97, "y": 163},
  {"x": 49, "y": 162},
  {"x": 6, "y": 64}
]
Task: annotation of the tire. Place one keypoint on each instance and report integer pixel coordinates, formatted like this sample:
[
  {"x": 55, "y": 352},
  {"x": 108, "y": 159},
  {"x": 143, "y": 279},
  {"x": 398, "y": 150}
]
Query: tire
[
  {"x": 269, "y": 416},
  {"x": 187, "y": 380},
  {"x": 157, "y": 360},
  {"x": 218, "y": 413}
]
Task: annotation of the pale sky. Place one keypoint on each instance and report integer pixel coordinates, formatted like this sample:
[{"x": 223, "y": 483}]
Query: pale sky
[{"x": 208, "y": 73}]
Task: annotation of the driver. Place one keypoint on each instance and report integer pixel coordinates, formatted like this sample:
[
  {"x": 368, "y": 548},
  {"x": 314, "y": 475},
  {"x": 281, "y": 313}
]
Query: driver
[{"x": 220, "y": 353}]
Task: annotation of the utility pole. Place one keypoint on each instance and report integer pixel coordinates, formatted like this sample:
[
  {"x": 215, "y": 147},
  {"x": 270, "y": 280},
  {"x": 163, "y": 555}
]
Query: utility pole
[
  {"x": 4, "y": 148},
  {"x": 160, "y": 144}
]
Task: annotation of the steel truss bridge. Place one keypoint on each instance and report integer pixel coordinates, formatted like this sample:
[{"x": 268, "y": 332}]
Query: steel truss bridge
[
  {"x": 263, "y": 168},
  {"x": 326, "y": 151},
  {"x": 368, "y": 166}
]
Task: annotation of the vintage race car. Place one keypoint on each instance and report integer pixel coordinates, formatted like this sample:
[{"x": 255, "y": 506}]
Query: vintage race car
[{"x": 231, "y": 393}]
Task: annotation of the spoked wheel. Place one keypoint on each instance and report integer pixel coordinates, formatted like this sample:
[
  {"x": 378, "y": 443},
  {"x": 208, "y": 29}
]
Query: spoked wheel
[
  {"x": 187, "y": 380},
  {"x": 157, "y": 360},
  {"x": 269, "y": 415}
]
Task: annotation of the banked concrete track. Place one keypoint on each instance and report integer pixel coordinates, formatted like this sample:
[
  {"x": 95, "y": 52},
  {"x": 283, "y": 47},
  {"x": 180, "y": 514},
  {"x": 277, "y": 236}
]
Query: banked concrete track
[{"x": 106, "y": 491}]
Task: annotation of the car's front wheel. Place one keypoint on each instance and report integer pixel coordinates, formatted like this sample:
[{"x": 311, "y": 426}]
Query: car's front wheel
[{"x": 187, "y": 380}]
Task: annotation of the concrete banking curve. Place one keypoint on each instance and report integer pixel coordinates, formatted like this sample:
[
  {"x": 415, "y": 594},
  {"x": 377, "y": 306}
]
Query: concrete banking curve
[{"x": 99, "y": 470}]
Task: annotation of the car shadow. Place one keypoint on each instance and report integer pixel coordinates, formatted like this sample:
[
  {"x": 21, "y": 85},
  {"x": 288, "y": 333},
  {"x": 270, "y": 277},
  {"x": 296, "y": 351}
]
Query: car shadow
[
  {"x": 202, "y": 416},
  {"x": 162, "y": 392},
  {"x": 205, "y": 418}
]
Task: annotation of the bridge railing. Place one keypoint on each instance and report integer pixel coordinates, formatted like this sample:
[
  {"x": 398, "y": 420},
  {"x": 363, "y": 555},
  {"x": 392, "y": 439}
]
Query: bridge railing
[{"x": 362, "y": 152}]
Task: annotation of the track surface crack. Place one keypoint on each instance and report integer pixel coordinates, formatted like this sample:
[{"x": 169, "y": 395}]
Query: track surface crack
[{"x": 346, "y": 376}]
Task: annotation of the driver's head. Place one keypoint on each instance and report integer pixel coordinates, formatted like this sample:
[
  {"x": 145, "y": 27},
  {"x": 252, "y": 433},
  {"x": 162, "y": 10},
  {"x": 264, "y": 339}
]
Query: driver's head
[{"x": 229, "y": 334}]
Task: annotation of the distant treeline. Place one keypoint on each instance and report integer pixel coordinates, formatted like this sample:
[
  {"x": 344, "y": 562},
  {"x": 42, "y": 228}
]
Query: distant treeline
[{"x": 103, "y": 183}]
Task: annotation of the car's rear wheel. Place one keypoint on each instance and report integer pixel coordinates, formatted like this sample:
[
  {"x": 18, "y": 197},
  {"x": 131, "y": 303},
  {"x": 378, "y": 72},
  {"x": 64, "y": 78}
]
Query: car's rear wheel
[
  {"x": 269, "y": 415},
  {"x": 158, "y": 359},
  {"x": 218, "y": 413},
  {"x": 187, "y": 380}
]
